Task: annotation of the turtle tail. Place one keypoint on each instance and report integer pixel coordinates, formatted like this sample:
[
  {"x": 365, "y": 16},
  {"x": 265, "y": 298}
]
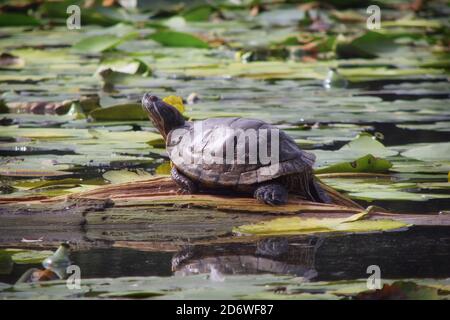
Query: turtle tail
[{"x": 326, "y": 194}]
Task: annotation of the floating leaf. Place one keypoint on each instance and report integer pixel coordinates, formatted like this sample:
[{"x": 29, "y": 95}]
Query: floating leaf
[
  {"x": 199, "y": 13},
  {"x": 368, "y": 163},
  {"x": 298, "y": 225},
  {"x": 176, "y": 102},
  {"x": 96, "y": 44},
  {"x": 369, "y": 45},
  {"x": 129, "y": 111},
  {"x": 236, "y": 286},
  {"x": 15, "y": 19},
  {"x": 36, "y": 184},
  {"x": 158, "y": 142},
  {"x": 403, "y": 290},
  {"x": 178, "y": 39},
  {"x": 163, "y": 169},
  {"x": 29, "y": 256},
  {"x": 381, "y": 188},
  {"x": 430, "y": 152},
  {"x": 122, "y": 176},
  {"x": 124, "y": 65},
  {"x": 366, "y": 144},
  {"x": 15, "y": 172}
]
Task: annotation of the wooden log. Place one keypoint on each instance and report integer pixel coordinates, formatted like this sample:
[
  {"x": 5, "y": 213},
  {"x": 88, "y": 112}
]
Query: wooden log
[{"x": 152, "y": 212}]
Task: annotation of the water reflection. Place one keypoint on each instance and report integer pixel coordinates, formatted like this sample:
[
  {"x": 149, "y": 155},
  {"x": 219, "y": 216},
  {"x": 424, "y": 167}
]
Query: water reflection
[
  {"x": 420, "y": 252},
  {"x": 271, "y": 255}
]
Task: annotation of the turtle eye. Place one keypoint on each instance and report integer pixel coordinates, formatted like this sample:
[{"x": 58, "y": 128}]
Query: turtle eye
[{"x": 152, "y": 98}]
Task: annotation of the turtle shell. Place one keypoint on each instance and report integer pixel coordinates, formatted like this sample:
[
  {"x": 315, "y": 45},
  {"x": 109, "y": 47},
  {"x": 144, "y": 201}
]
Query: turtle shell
[{"x": 220, "y": 152}]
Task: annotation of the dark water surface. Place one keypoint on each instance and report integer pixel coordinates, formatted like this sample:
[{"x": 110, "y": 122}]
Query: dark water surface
[{"x": 420, "y": 252}]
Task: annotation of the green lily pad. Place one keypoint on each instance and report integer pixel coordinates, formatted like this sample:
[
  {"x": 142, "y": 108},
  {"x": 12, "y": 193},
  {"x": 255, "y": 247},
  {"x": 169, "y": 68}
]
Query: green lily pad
[
  {"x": 199, "y": 13},
  {"x": 20, "y": 256},
  {"x": 130, "y": 66},
  {"x": 132, "y": 111},
  {"x": 366, "y": 144},
  {"x": 429, "y": 152},
  {"x": 122, "y": 176},
  {"x": 15, "y": 19},
  {"x": 97, "y": 44},
  {"x": 178, "y": 39},
  {"x": 299, "y": 225},
  {"x": 369, "y": 45},
  {"x": 368, "y": 163}
]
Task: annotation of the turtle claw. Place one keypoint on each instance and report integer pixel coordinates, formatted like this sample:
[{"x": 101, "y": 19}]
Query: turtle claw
[
  {"x": 183, "y": 191},
  {"x": 271, "y": 194},
  {"x": 187, "y": 185}
]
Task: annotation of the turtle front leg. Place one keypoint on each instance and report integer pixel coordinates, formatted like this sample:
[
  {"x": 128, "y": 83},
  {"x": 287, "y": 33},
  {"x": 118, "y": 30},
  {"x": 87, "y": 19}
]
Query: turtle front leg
[
  {"x": 271, "y": 193},
  {"x": 186, "y": 184}
]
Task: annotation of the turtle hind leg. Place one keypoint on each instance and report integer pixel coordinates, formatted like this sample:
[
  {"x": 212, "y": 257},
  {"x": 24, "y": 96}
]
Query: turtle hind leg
[
  {"x": 318, "y": 193},
  {"x": 336, "y": 197},
  {"x": 305, "y": 184},
  {"x": 186, "y": 184},
  {"x": 271, "y": 193}
]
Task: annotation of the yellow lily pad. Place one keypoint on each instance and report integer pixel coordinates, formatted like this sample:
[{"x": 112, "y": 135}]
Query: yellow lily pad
[
  {"x": 299, "y": 225},
  {"x": 176, "y": 102}
]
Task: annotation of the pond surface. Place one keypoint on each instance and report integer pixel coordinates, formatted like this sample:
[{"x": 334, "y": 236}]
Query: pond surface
[
  {"x": 421, "y": 252},
  {"x": 71, "y": 121}
]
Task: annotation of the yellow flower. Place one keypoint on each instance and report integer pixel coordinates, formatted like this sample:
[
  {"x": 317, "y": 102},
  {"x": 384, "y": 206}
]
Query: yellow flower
[{"x": 175, "y": 101}]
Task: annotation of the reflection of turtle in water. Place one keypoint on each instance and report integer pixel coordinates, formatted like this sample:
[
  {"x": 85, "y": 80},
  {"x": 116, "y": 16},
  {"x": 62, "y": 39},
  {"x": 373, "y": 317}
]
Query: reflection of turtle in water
[
  {"x": 270, "y": 255},
  {"x": 269, "y": 182}
]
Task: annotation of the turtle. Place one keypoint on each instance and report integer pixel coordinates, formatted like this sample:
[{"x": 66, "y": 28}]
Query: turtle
[{"x": 224, "y": 138}]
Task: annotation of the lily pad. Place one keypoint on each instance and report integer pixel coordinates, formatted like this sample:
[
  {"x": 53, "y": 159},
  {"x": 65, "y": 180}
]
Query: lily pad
[
  {"x": 366, "y": 144},
  {"x": 178, "y": 39},
  {"x": 96, "y": 44},
  {"x": 429, "y": 152},
  {"x": 122, "y": 176},
  {"x": 15, "y": 19},
  {"x": 21, "y": 256},
  {"x": 299, "y": 225},
  {"x": 368, "y": 163},
  {"x": 369, "y": 45},
  {"x": 132, "y": 111}
]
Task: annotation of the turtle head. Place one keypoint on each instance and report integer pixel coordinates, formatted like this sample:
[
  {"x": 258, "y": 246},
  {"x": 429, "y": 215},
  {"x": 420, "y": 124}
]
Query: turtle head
[{"x": 164, "y": 116}]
